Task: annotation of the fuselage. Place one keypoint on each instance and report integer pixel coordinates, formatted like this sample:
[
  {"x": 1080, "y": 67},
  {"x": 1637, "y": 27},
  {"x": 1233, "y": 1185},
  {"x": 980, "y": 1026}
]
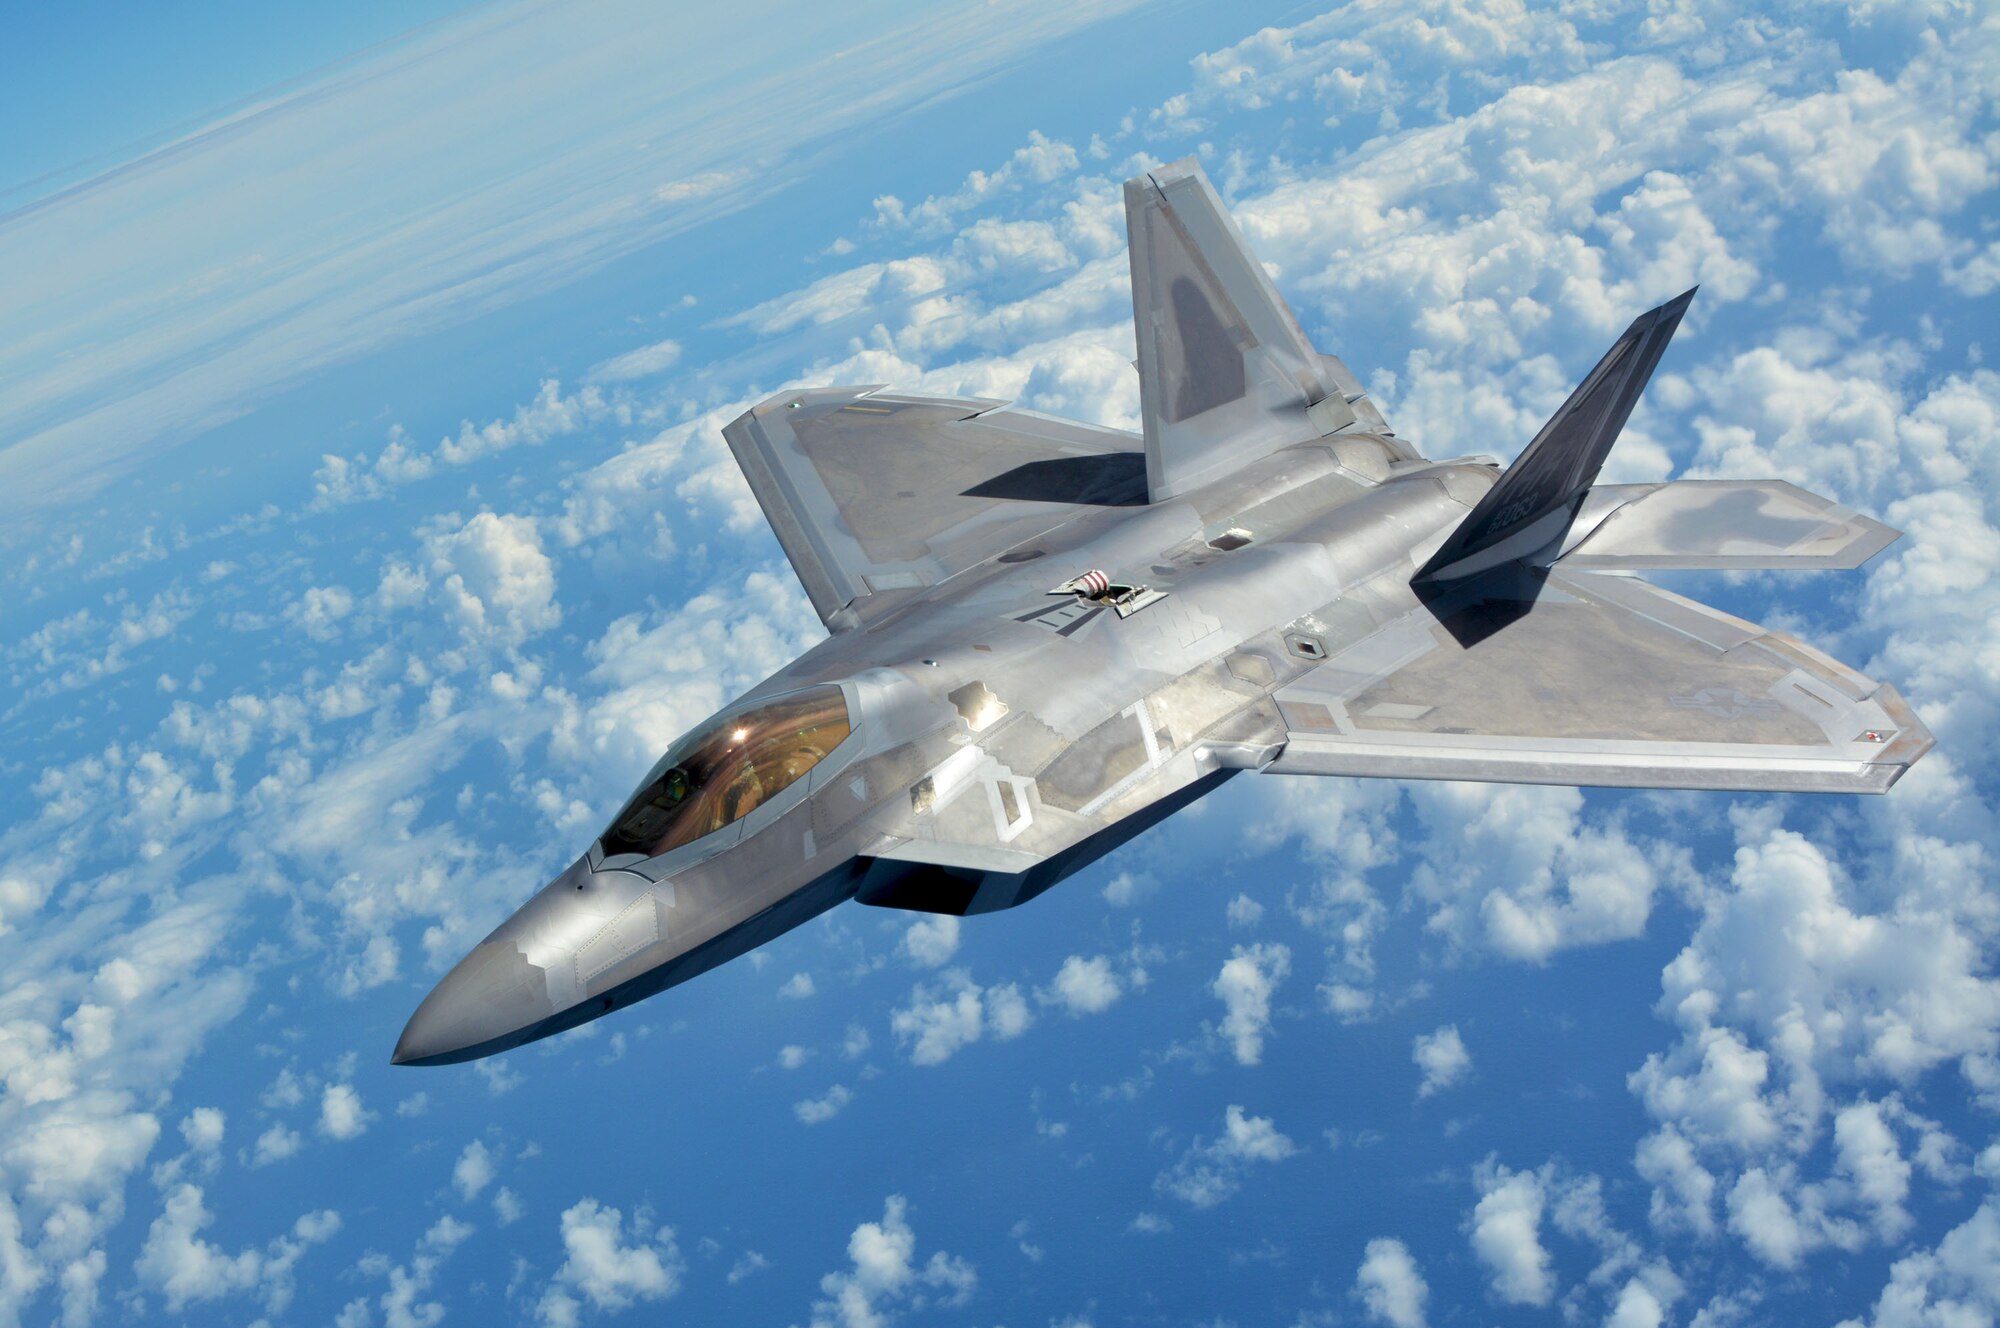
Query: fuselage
[
  {"x": 996, "y": 737},
  {"x": 1047, "y": 635}
]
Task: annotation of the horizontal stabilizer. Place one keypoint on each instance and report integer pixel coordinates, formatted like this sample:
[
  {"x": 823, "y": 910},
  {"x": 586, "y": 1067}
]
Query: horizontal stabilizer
[
  {"x": 1721, "y": 525},
  {"x": 1529, "y": 511}
]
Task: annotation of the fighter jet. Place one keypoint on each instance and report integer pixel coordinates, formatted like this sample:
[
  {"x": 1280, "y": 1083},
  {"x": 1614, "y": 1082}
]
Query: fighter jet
[{"x": 1046, "y": 636}]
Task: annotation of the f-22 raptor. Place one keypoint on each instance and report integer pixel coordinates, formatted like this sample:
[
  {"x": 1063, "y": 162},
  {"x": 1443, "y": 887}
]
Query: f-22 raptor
[{"x": 1046, "y": 636}]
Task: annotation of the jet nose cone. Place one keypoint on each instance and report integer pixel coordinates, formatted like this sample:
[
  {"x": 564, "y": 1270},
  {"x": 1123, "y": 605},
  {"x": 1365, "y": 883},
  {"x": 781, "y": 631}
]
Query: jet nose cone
[{"x": 490, "y": 1002}]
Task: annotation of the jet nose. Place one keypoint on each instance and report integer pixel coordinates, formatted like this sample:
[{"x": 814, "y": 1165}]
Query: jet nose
[{"x": 490, "y": 1002}]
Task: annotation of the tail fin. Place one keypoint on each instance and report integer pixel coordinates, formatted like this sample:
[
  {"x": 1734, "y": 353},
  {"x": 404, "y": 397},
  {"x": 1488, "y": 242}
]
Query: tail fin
[
  {"x": 1225, "y": 373},
  {"x": 1531, "y": 507}
]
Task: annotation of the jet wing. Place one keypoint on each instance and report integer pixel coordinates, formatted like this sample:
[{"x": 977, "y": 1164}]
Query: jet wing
[
  {"x": 1604, "y": 680},
  {"x": 1738, "y": 525},
  {"x": 871, "y": 493}
]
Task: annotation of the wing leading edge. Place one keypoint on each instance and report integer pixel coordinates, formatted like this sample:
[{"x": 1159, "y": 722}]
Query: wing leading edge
[{"x": 872, "y": 493}]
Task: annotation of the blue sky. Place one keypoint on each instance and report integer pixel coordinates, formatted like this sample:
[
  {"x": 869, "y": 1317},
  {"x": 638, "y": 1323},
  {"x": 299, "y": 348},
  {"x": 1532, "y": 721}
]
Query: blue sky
[{"x": 368, "y": 532}]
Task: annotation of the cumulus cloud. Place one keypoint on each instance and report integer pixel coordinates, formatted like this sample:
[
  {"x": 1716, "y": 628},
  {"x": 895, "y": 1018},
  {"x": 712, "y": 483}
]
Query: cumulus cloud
[
  {"x": 403, "y": 1304},
  {"x": 1761, "y": 1213},
  {"x": 1637, "y": 1306},
  {"x": 1248, "y": 978},
  {"x": 931, "y": 941},
  {"x": 1884, "y": 159},
  {"x": 493, "y": 576},
  {"x": 1683, "y": 1190},
  {"x": 287, "y": 1090},
  {"x": 473, "y": 1171},
  {"x": 939, "y": 1021},
  {"x": 1126, "y": 889},
  {"x": 1782, "y": 958},
  {"x": 883, "y": 1276},
  {"x": 79, "y": 1280},
  {"x": 186, "y": 1269},
  {"x": 181, "y": 1266},
  {"x": 1834, "y": 418},
  {"x": 1039, "y": 162},
  {"x": 936, "y": 1025},
  {"x": 203, "y": 1128},
  {"x": 507, "y": 1206},
  {"x": 1505, "y": 1230},
  {"x": 1516, "y": 868},
  {"x": 814, "y": 1110},
  {"x": 1442, "y": 1056},
  {"x": 275, "y": 1145},
  {"x": 319, "y": 610},
  {"x": 1210, "y": 1171},
  {"x": 21, "y": 1274},
  {"x": 609, "y": 1265},
  {"x": 1390, "y": 1286},
  {"x": 1869, "y": 1155},
  {"x": 1007, "y": 1012},
  {"x": 993, "y": 244},
  {"x": 1804, "y": 999},
  {"x": 1955, "y": 1281},
  {"x": 341, "y": 1114},
  {"x": 341, "y": 480},
  {"x": 1084, "y": 986},
  {"x": 500, "y": 1077}
]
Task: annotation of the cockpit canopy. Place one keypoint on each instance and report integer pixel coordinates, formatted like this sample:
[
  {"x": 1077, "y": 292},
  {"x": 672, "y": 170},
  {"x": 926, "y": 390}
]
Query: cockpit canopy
[{"x": 726, "y": 769}]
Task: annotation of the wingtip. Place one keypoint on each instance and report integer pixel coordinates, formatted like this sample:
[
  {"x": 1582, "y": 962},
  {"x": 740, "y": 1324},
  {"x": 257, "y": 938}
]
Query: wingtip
[
  {"x": 1167, "y": 174},
  {"x": 1677, "y": 306}
]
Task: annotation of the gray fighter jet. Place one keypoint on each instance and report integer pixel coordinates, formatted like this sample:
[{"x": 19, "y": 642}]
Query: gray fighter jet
[{"x": 1047, "y": 636}]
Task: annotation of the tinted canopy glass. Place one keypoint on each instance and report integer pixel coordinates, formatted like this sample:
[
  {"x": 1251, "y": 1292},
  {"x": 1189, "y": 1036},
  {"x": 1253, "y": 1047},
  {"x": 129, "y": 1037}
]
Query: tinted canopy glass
[{"x": 726, "y": 769}]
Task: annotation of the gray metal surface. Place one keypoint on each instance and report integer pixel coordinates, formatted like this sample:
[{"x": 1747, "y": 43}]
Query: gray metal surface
[
  {"x": 1292, "y": 589},
  {"x": 871, "y": 492},
  {"x": 1225, "y": 373},
  {"x": 1605, "y": 680},
  {"x": 1535, "y": 503},
  {"x": 1719, "y": 525}
]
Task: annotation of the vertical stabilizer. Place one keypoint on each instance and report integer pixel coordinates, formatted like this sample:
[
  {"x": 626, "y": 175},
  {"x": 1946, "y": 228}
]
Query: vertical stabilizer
[
  {"x": 1225, "y": 373},
  {"x": 1530, "y": 509}
]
